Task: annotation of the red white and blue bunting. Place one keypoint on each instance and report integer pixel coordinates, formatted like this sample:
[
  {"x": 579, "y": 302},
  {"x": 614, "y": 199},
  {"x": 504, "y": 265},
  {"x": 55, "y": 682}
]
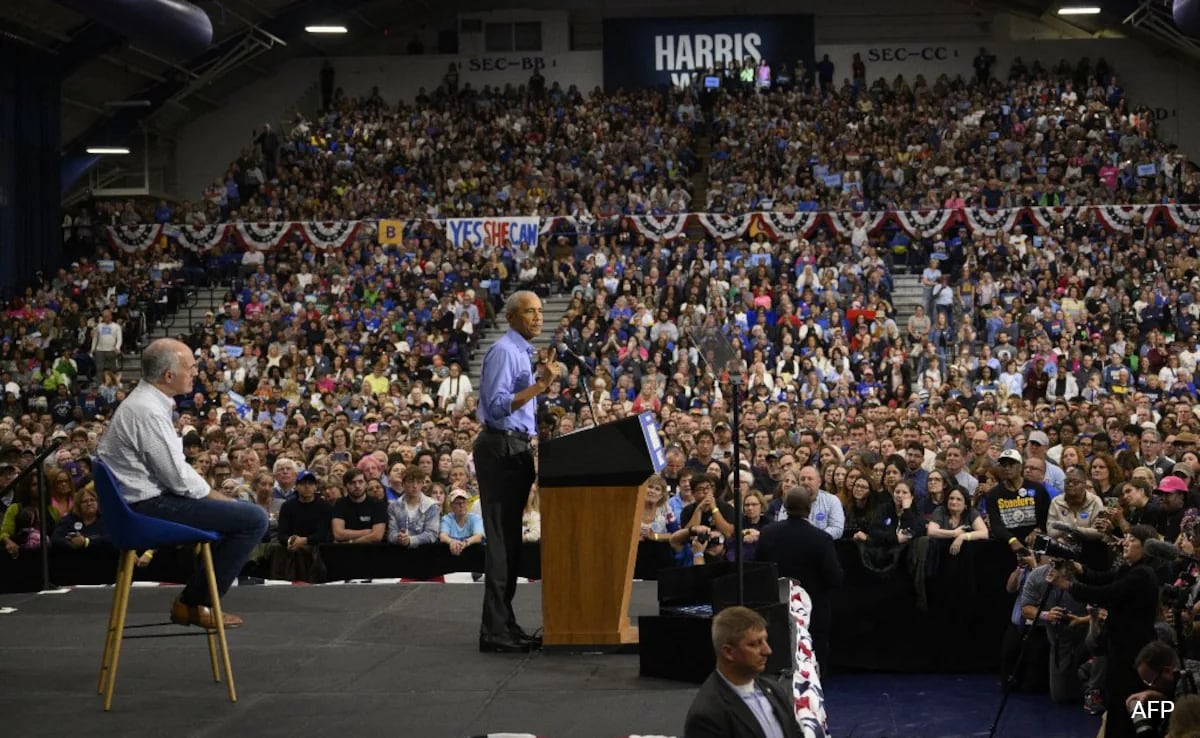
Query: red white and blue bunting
[
  {"x": 1121, "y": 218},
  {"x": 262, "y": 236},
  {"x": 1184, "y": 217},
  {"x": 777, "y": 226},
  {"x": 133, "y": 238},
  {"x": 195, "y": 237},
  {"x": 807, "y": 694},
  {"x": 723, "y": 226},
  {"x": 258, "y": 236},
  {"x": 1048, "y": 217},
  {"x": 327, "y": 236},
  {"x": 845, "y": 222},
  {"x": 991, "y": 222},
  {"x": 925, "y": 223},
  {"x": 660, "y": 228},
  {"x": 786, "y": 226}
]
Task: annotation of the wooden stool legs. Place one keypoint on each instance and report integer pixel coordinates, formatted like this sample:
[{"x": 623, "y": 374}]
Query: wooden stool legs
[{"x": 218, "y": 647}]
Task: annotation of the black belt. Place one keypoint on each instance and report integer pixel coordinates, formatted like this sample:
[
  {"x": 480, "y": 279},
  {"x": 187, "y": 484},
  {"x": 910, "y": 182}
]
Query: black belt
[{"x": 520, "y": 435}]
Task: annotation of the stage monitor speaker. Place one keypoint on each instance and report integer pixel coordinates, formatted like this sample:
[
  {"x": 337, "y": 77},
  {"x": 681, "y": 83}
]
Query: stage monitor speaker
[
  {"x": 717, "y": 583},
  {"x": 761, "y": 586},
  {"x": 688, "y": 585},
  {"x": 679, "y": 647},
  {"x": 781, "y": 637},
  {"x": 675, "y": 647}
]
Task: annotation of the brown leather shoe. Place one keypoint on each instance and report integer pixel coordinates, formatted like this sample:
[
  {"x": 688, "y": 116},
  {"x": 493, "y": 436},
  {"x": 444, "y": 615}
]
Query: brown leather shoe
[{"x": 200, "y": 615}]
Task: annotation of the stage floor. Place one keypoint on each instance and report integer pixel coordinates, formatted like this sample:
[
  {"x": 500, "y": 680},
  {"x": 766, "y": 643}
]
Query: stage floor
[{"x": 402, "y": 659}]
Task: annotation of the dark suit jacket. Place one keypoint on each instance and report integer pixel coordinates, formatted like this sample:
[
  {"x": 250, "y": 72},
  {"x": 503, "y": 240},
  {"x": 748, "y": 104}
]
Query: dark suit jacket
[
  {"x": 720, "y": 712},
  {"x": 804, "y": 553}
]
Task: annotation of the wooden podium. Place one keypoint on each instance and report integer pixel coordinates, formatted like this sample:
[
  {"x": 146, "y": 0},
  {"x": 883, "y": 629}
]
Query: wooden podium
[{"x": 592, "y": 492}]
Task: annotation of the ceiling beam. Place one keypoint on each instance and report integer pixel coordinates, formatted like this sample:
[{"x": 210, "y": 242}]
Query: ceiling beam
[{"x": 288, "y": 24}]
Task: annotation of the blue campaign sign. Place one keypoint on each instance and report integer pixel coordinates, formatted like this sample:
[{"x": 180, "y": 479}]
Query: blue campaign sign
[
  {"x": 658, "y": 454},
  {"x": 653, "y": 52},
  {"x": 492, "y": 231}
]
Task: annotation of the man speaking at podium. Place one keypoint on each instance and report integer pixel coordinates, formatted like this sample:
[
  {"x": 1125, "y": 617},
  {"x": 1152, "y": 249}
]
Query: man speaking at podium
[{"x": 508, "y": 390}]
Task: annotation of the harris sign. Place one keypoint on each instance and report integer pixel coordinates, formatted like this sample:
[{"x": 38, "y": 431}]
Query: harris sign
[{"x": 655, "y": 52}]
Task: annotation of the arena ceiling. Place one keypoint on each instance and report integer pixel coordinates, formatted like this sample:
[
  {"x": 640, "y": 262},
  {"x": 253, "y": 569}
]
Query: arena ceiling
[
  {"x": 113, "y": 86},
  {"x": 106, "y": 77}
]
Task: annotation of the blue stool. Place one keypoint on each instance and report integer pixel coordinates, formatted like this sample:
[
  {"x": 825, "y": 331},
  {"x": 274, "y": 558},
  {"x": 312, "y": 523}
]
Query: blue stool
[{"x": 129, "y": 532}]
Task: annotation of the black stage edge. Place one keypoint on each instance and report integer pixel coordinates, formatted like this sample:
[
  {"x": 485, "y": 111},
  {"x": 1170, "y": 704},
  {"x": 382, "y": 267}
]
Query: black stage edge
[
  {"x": 966, "y": 601},
  {"x": 599, "y": 649},
  {"x": 381, "y": 658}
]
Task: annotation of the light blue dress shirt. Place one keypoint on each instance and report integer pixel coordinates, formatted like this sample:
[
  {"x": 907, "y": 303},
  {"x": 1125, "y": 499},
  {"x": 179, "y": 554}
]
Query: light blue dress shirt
[
  {"x": 828, "y": 515},
  {"x": 507, "y": 370}
]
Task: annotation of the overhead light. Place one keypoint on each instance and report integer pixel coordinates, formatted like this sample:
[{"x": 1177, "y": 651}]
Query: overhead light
[
  {"x": 325, "y": 29},
  {"x": 111, "y": 150},
  {"x": 1079, "y": 10}
]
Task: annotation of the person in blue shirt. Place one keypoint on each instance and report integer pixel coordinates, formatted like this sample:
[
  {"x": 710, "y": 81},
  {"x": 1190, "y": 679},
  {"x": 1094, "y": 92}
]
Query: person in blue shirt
[
  {"x": 508, "y": 390},
  {"x": 460, "y": 528}
]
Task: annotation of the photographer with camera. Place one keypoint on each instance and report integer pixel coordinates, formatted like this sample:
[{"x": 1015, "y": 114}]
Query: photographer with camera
[
  {"x": 701, "y": 544},
  {"x": 1130, "y": 594},
  {"x": 1065, "y": 622},
  {"x": 1159, "y": 669}
]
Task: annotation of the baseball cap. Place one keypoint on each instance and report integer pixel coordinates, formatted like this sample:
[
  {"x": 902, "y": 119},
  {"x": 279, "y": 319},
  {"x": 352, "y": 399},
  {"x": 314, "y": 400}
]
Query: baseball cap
[
  {"x": 1039, "y": 437},
  {"x": 1011, "y": 455},
  {"x": 458, "y": 494},
  {"x": 1182, "y": 468},
  {"x": 1172, "y": 484},
  {"x": 306, "y": 476}
]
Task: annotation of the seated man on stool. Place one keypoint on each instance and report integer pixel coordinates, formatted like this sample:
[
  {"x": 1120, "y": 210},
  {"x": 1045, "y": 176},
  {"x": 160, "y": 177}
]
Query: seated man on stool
[
  {"x": 145, "y": 453},
  {"x": 736, "y": 699}
]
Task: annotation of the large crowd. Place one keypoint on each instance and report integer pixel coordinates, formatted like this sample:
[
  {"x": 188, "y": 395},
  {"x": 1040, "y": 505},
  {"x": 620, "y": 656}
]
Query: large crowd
[
  {"x": 1040, "y": 137},
  {"x": 1055, "y": 365}
]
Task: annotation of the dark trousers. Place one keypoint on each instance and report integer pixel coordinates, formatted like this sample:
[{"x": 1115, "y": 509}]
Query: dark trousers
[
  {"x": 1066, "y": 654},
  {"x": 504, "y": 467},
  {"x": 240, "y": 524},
  {"x": 1120, "y": 682}
]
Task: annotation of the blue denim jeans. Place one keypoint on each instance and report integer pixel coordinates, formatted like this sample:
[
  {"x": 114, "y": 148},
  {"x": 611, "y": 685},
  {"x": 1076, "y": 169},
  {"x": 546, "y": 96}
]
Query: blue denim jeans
[{"x": 240, "y": 524}]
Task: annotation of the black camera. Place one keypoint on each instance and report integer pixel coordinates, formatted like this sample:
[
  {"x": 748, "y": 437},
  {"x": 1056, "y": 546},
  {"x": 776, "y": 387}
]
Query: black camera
[
  {"x": 702, "y": 537},
  {"x": 1178, "y": 594},
  {"x": 1145, "y": 726},
  {"x": 1044, "y": 545}
]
